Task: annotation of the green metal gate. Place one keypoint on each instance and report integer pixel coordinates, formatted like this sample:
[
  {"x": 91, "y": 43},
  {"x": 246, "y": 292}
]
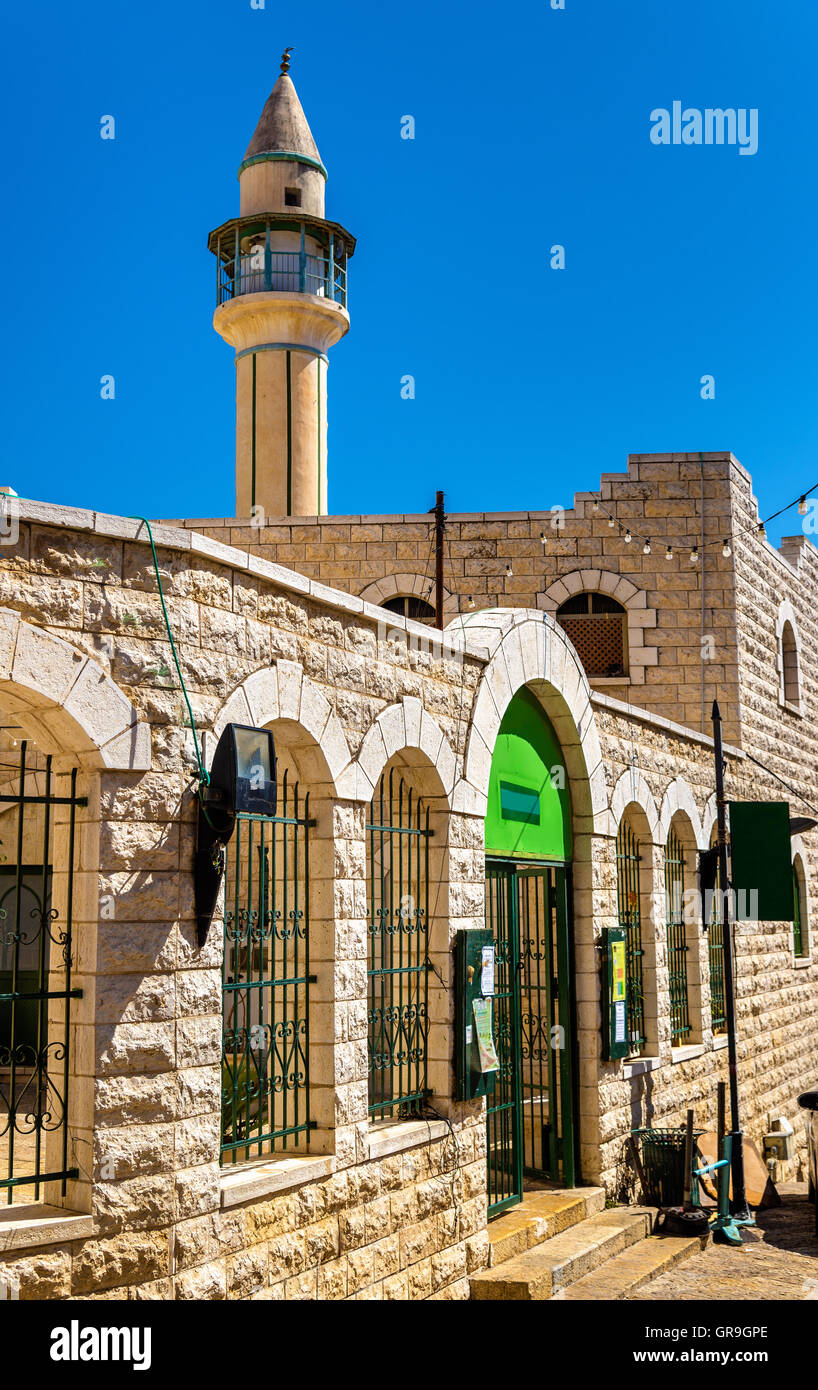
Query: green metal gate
[{"x": 530, "y": 1113}]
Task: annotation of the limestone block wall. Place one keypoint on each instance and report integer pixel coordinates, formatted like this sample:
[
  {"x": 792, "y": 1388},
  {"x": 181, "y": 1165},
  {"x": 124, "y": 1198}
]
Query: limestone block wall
[
  {"x": 666, "y": 776},
  {"x": 664, "y": 497},
  {"x": 367, "y": 1211}
]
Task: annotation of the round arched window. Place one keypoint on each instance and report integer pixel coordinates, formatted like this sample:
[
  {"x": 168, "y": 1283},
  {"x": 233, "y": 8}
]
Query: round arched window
[{"x": 410, "y": 606}]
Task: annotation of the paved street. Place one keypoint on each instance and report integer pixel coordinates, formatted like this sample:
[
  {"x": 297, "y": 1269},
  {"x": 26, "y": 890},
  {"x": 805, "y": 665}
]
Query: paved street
[{"x": 778, "y": 1260}]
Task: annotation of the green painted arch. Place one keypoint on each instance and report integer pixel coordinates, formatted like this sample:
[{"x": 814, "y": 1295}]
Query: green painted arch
[{"x": 529, "y": 800}]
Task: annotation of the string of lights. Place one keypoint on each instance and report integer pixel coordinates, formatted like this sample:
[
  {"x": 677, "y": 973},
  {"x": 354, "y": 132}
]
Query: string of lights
[
  {"x": 630, "y": 537},
  {"x": 696, "y": 547}
]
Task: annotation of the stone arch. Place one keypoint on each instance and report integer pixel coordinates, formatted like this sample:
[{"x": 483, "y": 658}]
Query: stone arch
[
  {"x": 616, "y": 586},
  {"x": 66, "y": 702},
  {"x": 401, "y": 729},
  {"x": 407, "y": 585},
  {"x": 283, "y": 693},
  {"x": 679, "y": 798},
  {"x": 410, "y": 744},
  {"x": 529, "y": 649},
  {"x": 788, "y": 657},
  {"x": 526, "y": 649},
  {"x": 311, "y": 745},
  {"x": 632, "y": 790}
]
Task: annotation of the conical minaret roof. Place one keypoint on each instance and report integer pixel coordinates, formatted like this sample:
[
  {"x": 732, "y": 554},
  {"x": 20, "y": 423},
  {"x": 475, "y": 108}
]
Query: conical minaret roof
[{"x": 282, "y": 126}]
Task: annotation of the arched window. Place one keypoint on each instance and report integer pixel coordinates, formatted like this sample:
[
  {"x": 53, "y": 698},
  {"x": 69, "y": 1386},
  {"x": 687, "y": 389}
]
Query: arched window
[
  {"x": 629, "y": 908},
  {"x": 597, "y": 626},
  {"x": 397, "y": 839},
  {"x": 410, "y": 606},
  {"x": 265, "y": 1000},
  {"x": 800, "y": 934},
  {"x": 788, "y": 658}
]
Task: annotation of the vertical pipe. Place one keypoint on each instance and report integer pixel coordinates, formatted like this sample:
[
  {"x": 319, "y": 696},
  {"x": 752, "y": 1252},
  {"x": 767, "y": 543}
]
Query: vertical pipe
[
  {"x": 739, "y": 1202},
  {"x": 440, "y": 526}
]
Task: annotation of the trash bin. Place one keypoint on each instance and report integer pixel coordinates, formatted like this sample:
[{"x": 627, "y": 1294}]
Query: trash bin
[{"x": 663, "y": 1161}]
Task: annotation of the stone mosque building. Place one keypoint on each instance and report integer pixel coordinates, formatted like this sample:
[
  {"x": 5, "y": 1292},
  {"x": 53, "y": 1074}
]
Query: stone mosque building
[{"x": 290, "y": 1102}]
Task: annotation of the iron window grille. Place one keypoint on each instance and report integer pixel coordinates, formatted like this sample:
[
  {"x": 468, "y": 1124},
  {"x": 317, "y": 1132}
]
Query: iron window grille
[
  {"x": 630, "y": 919},
  {"x": 677, "y": 949},
  {"x": 799, "y": 945},
  {"x": 597, "y": 626},
  {"x": 265, "y": 982},
  {"x": 35, "y": 978},
  {"x": 398, "y": 835},
  {"x": 715, "y": 955}
]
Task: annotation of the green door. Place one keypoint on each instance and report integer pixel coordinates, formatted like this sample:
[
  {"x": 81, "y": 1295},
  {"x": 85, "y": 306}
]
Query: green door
[{"x": 530, "y": 1113}]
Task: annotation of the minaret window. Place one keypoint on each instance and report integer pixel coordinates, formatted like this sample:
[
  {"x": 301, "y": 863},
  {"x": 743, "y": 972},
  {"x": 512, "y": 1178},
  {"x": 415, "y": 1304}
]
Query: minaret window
[
  {"x": 595, "y": 623},
  {"x": 292, "y": 197}
]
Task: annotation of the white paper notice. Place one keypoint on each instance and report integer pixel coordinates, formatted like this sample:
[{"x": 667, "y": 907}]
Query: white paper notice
[
  {"x": 487, "y": 973},
  {"x": 619, "y": 1023}
]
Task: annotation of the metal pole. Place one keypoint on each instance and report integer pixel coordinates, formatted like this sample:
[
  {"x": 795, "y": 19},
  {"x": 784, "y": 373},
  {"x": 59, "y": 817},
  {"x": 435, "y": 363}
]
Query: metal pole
[
  {"x": 440, "y": 526},
  {"x": 738, "y": 1204}
]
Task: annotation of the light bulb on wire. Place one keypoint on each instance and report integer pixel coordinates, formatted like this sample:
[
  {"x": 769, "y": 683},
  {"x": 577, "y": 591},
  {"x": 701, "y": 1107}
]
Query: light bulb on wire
[{"x": 726, "y": 549}]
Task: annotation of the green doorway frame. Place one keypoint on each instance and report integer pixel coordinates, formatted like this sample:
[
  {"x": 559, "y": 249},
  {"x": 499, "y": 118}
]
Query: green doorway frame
[{"x": 531, "y": 1115}]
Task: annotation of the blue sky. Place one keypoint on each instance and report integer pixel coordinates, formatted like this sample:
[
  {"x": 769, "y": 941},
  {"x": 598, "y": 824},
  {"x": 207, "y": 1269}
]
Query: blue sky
[{"x": 532, "y": 128}]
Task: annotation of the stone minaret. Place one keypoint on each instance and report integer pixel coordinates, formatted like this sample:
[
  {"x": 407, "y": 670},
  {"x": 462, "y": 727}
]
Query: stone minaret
[{"x": 281, "y": 303}]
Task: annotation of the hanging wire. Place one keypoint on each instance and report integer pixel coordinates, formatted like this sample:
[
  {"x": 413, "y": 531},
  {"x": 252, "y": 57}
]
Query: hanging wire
[
  {"x": 203, "y": 773},
  {"x": 758, "y": 526}
]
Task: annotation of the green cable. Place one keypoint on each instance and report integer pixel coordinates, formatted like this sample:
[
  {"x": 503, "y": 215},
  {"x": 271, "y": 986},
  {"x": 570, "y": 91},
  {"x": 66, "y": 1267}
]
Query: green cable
[{"x": 205, "y": 777}]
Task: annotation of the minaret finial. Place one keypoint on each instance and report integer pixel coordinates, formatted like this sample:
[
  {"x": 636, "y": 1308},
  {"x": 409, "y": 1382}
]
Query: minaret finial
[{"x": 285, "y": 59}]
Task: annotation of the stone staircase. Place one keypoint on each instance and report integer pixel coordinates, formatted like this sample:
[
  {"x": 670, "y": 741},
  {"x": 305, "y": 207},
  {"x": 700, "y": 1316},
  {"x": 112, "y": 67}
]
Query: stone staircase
[{"x": 561, "y": 1243}]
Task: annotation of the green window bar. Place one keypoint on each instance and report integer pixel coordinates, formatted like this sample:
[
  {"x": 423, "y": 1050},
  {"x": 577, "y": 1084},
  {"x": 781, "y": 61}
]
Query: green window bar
[
  {"x": 265, "y": 982},
  {"x": 35, "y": 979},
  {"x": 630, "y": 919},
  {"x": 798, "y": 943},
  {"x": 676, "y": 939},
  {"x": 398, "y": 834},
  {"x": 715, "y": 953}
]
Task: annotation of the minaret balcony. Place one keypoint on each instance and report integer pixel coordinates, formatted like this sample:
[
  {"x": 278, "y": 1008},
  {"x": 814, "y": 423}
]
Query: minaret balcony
[{"x": 289, "y": 255}]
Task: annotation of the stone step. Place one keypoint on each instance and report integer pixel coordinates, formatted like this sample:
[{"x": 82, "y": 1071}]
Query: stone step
[
  {"x": 643, "y": 1262},
  {"x": 540, "y": 1215},
  {"x": 562, "y": 1259}
]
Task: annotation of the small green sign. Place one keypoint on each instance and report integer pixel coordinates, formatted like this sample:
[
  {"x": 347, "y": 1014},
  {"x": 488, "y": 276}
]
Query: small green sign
[
  {"x": 519, "y": 803},
  {"x": 761, "y": 861}
]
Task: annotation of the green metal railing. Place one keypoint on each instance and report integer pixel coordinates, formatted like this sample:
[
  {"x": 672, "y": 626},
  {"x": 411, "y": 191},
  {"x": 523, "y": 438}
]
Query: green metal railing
[
  {"x": 283, "y": 271},
  {"x": 35, "y": 981},
  {"x": 715, "y": 954},
  {"x": 398, "y": 834},
  {"x": 246, "y": 263},
  {"x": 798, "y": 943},
  {"x": 630, "y": 919},
  {"x": 266, "y": 979},
  {"x": 676, "y": 939}
]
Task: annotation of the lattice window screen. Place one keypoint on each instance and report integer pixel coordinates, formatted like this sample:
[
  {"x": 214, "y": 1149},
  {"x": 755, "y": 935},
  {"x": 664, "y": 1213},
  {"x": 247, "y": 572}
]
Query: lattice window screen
[{"x": 600, "y": 641}]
